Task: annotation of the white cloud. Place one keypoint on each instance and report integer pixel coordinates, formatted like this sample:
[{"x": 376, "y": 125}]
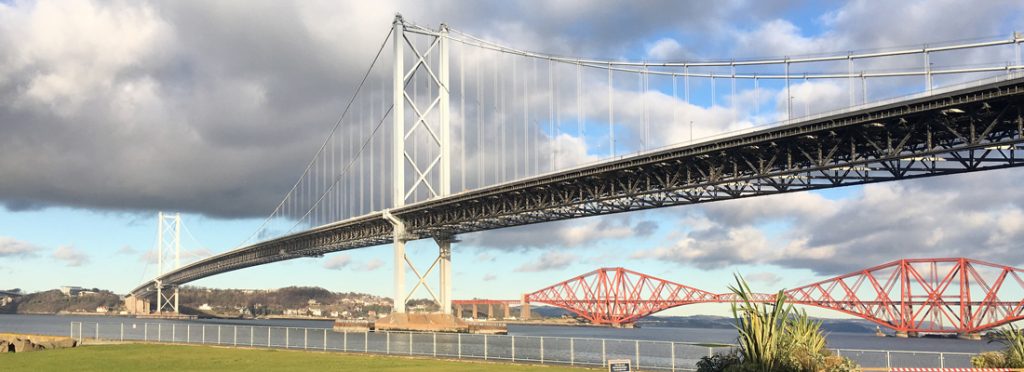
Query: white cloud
[
  {"x": 372, "y": 264},
  {"x": 571, "y": 233},
  {"x": 338, "y": 262},
  {"x": 665, "y": 49},
  {"x": 548, "y": 261},
  {"x": 765, "y": 277},
  {"x": 10, "y": 247},
  {"x": 70, "y": 255},
  {"x": 126, "y": 250}
]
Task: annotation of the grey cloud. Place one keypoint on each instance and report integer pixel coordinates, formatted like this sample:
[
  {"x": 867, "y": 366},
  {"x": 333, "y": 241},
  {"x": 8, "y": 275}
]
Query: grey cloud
[{"x": 214, "y": 108}]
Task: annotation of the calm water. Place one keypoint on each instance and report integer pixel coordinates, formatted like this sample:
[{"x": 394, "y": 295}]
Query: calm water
[{"x": 110, "y": 327}]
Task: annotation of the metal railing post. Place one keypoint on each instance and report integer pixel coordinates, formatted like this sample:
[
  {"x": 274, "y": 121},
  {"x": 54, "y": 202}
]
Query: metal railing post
[
  {"x": 188, "y": 333},
  {"x": 122, "y": 331},
  {"x": 218, "y": 334},
  {"x": 604, "y": 356},
  {"x": 204, "y": 333},
  {"x": 325, "y": 339},
  {"x": 485, "y": 346},
  {"x": 71, "y": 332},
  {"x": 410, "y": 343},
  {"x": 234, "y": 342},
  {"x": 942, "y": 360},
  {"x": 159, "y": 332},
  {"x": 888, "y": 360},
  {"x": 387, "y": 342},
  {"x": 268, "y": 336},
  {"x": 572, "y": 351},
  {"x": 344, "y": 341},
  {"x": 460, "y": 345},
  {"x": 542, "y": 350},
  {"x": 366, "y": 342},
  {"x": 305, "y": 338},
  {"x": 637, "y": 354},
  {"x": 287, "y": 334},
  {"x": 252, "y": 336},
  {"x": 513, "y": 348},
  {"x": 97, "y": 331},
  {"x": 672, "y": 345},
  {"x": 145, "y": 331},
  {"x": 435, "y": 344}
]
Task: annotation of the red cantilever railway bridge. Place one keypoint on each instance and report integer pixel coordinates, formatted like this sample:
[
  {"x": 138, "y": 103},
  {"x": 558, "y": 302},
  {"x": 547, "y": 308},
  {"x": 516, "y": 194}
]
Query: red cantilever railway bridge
[{"x": 936, "y": 295}]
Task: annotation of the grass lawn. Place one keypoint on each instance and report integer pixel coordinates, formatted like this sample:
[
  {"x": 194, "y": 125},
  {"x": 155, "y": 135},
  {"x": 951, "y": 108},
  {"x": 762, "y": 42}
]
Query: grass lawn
[{"x": 150, "y": 357}]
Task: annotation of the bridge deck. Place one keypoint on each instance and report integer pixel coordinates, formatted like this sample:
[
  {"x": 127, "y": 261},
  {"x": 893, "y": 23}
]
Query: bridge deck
[{"x": 971, "y": 129}]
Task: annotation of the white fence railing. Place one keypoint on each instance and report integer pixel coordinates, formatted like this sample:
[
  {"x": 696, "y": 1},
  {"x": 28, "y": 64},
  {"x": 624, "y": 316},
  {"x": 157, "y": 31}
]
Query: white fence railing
[{"x": 575, "y": 351}]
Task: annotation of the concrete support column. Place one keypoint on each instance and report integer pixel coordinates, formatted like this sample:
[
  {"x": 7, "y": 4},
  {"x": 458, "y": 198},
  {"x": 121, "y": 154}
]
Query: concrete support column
[
  {"x": 159, "y": 297},
  {"x": 474, "y": 312},
  {"x": 458, "y": 311},
  {"x": 444, "y": 246},
  {"x": 400, "y": 237},
  {"x": 507, "y": 312},
  {"x": 399, "y": 276},
  {"x": 490, "y": 311},
  {"x": 524, "y": 307}
]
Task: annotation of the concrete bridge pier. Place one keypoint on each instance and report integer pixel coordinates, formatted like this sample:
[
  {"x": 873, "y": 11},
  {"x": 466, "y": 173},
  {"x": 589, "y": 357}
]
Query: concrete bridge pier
[
  {"x": 976, "y": 336},
  {"x": 905, "y": 334},
  {"x": 524, "y": 307}
]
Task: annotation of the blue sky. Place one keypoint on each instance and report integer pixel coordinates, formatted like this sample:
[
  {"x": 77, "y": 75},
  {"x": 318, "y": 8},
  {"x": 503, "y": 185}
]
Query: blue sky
[{"x": 116, "y": 112}]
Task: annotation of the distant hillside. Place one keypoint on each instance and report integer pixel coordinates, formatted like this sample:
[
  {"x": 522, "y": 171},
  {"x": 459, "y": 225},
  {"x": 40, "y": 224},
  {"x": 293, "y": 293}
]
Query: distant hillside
[
  {"x": 52, "y": 302},
  {"x": 719, "y": 322},
  {"x": 289, "y": 301}
]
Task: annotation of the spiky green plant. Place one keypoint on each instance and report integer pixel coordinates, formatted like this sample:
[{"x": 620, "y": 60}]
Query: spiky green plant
[
  {"x": 760, "y": 327},
  {"x": 804, "y": 342},
  {"x": 1013, "y": 340}
]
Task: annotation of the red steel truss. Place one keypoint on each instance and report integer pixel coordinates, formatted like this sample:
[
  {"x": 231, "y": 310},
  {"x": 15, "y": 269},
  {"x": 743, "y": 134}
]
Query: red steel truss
[
  {"x": 618, "y": 296},
  {"x": 940, "y": 295}
]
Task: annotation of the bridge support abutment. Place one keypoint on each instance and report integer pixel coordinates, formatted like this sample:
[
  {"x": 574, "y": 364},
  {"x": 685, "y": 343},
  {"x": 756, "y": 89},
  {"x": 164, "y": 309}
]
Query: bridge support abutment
[
  {"x": 444, "y": 256},
  {"x": 166, "y": 299},
  {"x": 975, "y": 336},
  {"x": 524, "y": 307}
]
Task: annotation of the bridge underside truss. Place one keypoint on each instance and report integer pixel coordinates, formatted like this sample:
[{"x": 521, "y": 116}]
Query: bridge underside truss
[
  {"x": 974, "y": 129},
  {"x": 955, "y": 133}
]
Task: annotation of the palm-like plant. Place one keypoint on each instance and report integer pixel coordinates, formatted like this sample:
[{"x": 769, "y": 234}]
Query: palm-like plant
[
  {"x": 759, "y": 326},
  {"x": 1013, "y": 340}
]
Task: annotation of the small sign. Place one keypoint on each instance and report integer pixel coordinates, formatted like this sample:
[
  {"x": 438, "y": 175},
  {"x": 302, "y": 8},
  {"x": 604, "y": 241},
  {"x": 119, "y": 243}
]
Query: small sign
[{"x": 619, "y": 365}]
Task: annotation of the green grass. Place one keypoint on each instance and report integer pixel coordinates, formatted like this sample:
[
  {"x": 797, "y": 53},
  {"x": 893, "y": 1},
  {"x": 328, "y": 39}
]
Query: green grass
[{"x": 150, "y": 357}]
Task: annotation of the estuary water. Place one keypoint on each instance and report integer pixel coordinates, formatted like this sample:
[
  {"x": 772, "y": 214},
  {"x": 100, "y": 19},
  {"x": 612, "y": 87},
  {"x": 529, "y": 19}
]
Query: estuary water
[{"x": 110, "y": 326}]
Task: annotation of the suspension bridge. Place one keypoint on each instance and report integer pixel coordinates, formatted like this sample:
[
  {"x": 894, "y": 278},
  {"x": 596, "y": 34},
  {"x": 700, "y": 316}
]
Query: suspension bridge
[{"x": 449, "y": 134}]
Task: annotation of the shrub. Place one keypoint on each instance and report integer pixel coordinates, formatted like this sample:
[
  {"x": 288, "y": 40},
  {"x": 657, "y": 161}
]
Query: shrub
[
  {"x": 1012, "y": 356},
  {"x": 774, "y": 337},
  {"x": 989, "y": 359},
  {"x": 718, "y": 362}
]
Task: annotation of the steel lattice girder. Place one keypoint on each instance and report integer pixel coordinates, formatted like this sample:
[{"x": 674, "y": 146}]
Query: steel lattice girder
[
  {"x": 974, "y": 129},
  {"x": 927, "y": 295},
  {"x": 618, "y": 296}
]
